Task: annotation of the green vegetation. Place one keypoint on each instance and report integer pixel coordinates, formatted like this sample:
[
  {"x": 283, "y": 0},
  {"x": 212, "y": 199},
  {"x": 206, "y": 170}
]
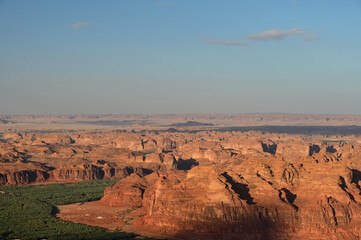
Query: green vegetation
[
  {"x": 147, "y": 152},
  {"x": 5, "y": 139},
  {"x": 27, "y": 212},
  {"x": 62, "y": 193}
]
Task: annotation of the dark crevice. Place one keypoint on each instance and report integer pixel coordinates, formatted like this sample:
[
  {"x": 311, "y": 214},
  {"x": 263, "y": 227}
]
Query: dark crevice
[
  {"x": 329, "y": 201},
  {"x": 342, "y": 184},
  {"x": 186, "y": 164},
  {"x": 313, "y": 149},
  {"x": 241, "y": 189},
  {"x": 288, "y": 197},
  {"x": 330, "y": 149},
  {"x": 270, "y": 148},
  {"x": 356, "y": 177}
]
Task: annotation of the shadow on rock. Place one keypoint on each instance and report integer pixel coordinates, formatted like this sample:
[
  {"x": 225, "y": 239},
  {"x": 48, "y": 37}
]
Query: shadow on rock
[{"x": 250, "y": 227}]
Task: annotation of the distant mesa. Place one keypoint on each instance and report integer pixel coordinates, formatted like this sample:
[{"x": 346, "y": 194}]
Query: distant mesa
[
  {"x": 191, "y": 124},
  {"x": 171, "y": 130},
  {"x": 4, "y": 121},
  {"x": 109, "y": 122},
  {"x": 180, "y": 120}
]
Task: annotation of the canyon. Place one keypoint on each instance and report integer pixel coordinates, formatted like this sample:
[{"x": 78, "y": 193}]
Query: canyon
[{"x": 201, "y": 181}]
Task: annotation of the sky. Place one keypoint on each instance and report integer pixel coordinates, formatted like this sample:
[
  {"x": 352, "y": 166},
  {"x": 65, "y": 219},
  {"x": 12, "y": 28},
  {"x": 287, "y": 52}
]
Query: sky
[{"x": 180, "y": 56}]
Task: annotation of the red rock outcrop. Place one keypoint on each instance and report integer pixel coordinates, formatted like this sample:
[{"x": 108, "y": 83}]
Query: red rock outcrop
[
  {"x": 206, "y": 184},
  {"x": 260, "y": 198}
]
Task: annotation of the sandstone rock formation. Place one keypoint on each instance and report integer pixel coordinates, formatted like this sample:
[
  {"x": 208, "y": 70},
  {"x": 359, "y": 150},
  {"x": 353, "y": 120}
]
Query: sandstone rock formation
[
  {"x": 205, "y": 184},
  {"x": 261, "y": 198},
  {"x": 115, "y": 154}
]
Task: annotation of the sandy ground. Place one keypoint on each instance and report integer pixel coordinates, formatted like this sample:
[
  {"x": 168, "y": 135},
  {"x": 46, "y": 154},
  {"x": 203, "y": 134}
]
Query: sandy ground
[{"x": 95, "y": 214}]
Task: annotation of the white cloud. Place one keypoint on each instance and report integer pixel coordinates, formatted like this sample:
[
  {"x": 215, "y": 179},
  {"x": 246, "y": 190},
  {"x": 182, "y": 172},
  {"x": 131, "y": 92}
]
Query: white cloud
[
  {"x": 227, "y": 43},
  {"x": 310, "y": 37},
  {"x": 279, "y": 35},
  {"x": 80, "y": 24},
  {"x": 276, "y": 34},
  {"x": 166, "y": 4},
  {"x": 293, "y": 3}
]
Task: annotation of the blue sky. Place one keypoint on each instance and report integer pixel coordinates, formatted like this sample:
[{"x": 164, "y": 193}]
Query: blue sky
[{"x": 179, "y": 56}]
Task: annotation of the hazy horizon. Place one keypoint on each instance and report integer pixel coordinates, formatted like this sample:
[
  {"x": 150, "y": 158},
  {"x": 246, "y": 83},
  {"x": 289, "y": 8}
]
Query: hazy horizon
[
  {"x": 180, "y": 57},
  {"x": 181, "y": 114}
]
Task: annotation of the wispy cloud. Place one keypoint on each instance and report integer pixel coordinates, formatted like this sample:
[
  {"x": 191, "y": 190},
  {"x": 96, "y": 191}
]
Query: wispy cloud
[
  {"x": 166, "y": 4},
  {"x": 80, "y": 24},
  {"x": 279, "y": 35},
  {"x": 310, "y": 37},
  {"x": 227, "y": 43},
  {"x": 293, "y": 3}
]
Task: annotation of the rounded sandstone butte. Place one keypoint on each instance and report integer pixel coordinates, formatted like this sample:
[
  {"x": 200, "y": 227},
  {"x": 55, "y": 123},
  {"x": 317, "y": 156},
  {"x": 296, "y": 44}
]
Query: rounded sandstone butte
[
  {"x": 263, "y": 198},
  {"x": 127, "y": 192}
]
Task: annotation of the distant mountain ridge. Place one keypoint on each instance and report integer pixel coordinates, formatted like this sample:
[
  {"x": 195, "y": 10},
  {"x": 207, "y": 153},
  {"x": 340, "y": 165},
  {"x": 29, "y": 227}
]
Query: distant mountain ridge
[{"x": 191, "y": 124}]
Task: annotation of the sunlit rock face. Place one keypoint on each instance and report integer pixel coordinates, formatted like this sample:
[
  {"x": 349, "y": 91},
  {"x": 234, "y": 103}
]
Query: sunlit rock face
[
  {"x": 260, "y": 198},
  {"x": 206, "y": 184}
]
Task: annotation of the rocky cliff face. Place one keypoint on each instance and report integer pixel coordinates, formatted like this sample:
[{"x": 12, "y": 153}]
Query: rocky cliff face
[
  {"x": 208, "y": 184},
  {"x": 261, "y": 198},
  {"x": 23, "y": 177}
]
